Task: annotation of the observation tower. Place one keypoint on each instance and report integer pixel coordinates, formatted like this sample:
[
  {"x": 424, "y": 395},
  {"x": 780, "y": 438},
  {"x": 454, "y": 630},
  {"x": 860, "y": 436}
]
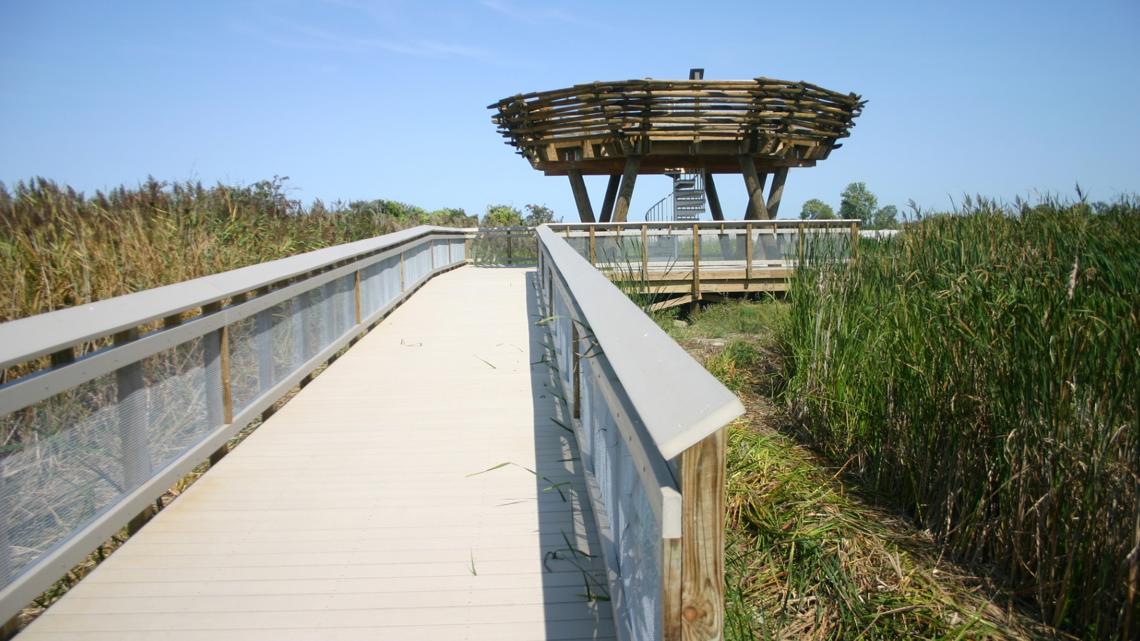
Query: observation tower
[{"x": 688, "y": 129}]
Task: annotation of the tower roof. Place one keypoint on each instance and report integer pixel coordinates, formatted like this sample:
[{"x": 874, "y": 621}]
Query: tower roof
[{"x": 676, "y": 125}]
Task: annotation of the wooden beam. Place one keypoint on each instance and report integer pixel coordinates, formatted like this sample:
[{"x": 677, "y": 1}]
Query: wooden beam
[
  {"x": 713, "y": 198},
  {"x": 581, "y": 196},
  {"x": 777, "y": 191},
  {"x": 702, "y": 530},
  {"x": 608, "y": 202},
  {"x": 754, "y": 183},
  {"x": 625, "y": 193}
]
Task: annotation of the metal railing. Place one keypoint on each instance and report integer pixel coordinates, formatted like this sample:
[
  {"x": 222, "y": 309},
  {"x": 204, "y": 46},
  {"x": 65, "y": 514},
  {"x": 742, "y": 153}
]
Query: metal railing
[
  {"x": 649, "y": 421},
  {"x": 504, "y": 246},
  {"x": 94, "y": 439}
]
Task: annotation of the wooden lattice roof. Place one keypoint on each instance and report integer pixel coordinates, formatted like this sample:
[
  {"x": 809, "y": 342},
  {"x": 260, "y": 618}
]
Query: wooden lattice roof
[{"x": 675, "y": 124}]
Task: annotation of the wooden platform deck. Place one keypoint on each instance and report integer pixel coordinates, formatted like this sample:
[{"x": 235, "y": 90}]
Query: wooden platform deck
[{"x": 358, "y": 510}]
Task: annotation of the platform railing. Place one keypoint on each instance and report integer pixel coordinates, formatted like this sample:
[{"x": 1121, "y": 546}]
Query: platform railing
[
  {"x": 750, "y": 244},
  {"x": 649, "y": 421},
  {"x": 132, "y": 393}
]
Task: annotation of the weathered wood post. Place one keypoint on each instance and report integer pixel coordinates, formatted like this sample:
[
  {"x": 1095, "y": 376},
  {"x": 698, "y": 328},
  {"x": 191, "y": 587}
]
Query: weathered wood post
[{"x": 702, "y": 533}]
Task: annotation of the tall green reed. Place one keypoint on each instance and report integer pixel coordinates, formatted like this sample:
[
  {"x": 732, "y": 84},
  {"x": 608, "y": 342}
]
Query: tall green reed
[{"x": 983, "y": 371}]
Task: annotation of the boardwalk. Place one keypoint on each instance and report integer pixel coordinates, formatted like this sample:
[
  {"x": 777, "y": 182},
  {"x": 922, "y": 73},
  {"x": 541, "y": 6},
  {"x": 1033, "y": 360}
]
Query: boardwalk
[{"x": 356, "y": 512}]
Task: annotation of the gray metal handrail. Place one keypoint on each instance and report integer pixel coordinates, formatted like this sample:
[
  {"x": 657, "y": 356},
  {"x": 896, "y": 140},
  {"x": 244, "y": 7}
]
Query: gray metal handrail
[
  {"x": 125, "y": 422},
  {"x": 649, "y": 421}
]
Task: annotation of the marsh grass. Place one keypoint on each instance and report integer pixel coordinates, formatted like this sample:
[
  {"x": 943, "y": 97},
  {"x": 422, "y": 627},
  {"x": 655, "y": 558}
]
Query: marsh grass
[
  {"x": 807, "y": 555},
  {"x": 981, "y": 371},
  {"x": 60, "y": 248}
]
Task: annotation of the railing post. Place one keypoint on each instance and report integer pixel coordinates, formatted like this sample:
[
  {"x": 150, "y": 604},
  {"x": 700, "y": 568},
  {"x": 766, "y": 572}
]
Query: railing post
[
  {"x": 131, "y": 397},
  {"x": 702, "y": 531},
  {"x": 211, "y": 356},
  {"x": 356, "y": 296},
  {"x": 854, "y": 240},
  {"x": 696, "y": 263},
  {"x": 748, "y": 253},
  {"x": 132, "y": 414},
  {"x": 593, "y": 248},
  {"x": 510, "y": 255},
  {"x": 403, "y": 285},
  {"x": 672, "y": 563},
  {"x": 802, "y": 241},
  {"x": 644, "y": 252}
]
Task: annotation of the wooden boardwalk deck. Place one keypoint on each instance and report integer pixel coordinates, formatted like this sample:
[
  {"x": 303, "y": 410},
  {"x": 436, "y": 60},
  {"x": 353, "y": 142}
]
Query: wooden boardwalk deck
[{"x": 353, "y": 513}]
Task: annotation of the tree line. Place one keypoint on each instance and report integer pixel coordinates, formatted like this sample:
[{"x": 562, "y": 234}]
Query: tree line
[{"x": 856, "y": 202}]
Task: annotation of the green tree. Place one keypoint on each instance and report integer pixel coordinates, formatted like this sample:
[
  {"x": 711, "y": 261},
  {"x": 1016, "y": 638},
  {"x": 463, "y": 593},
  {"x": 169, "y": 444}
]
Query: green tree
[
  {"x": 538, "y": 215},
  {"x": 885, "y": 218},
  {"x": 502, "y": 216},
  {"x": 452, "y": 217},
  {"x": 816, "y": 209},
  {"x": 858, "y": 202}
]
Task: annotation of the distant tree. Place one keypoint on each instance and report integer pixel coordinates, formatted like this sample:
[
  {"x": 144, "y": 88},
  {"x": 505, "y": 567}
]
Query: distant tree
[
  {"x": 502, "y": 216},
  {"x": 858, "y": 202},
  {"x": 538, "y": 215},
  {"x": 452, "y": 217},
  {"x": 885, "y": 218},
  {"x": 816, "y": 209}
]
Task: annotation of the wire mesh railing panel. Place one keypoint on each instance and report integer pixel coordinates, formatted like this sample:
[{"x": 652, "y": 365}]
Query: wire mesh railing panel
[
  {"x": 63, "y": 465},
  {"x": 632, "y": 549},
  {"x": 379, "y": 285},
  {"x": 440, "y": 253},
  {"x": 726, "y": 246},
  {"x": 180, "y": 385},
  {"x": 458, "y": 251}
]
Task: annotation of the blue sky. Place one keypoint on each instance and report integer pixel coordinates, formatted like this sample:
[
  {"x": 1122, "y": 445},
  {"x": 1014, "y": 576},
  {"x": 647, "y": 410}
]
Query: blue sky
[{"x": 355, "y": 99}]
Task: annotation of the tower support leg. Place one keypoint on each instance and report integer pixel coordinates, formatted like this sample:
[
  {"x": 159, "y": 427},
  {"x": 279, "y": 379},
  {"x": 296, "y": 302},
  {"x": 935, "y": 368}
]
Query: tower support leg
[
  {"x": 625, "y": 192},
  {"x": 581, "y": 196},
  {"x": 607, "y": 212},
  {"x": 754, "y": 183}
]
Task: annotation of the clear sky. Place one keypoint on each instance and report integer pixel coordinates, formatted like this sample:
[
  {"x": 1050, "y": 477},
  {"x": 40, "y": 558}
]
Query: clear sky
[{"x": 354, "y": 99}]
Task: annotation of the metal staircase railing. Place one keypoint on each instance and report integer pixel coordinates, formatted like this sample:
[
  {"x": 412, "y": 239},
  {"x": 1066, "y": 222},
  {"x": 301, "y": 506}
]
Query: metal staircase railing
[{"x": 685, "y": 203}]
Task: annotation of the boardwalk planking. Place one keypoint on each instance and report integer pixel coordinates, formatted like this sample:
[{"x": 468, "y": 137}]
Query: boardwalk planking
[{"x": 352, "y": 513}]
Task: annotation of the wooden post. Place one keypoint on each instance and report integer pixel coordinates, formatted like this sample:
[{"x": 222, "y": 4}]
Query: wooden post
[
  {"x": 625, "y": 193},
  {"x": 748, "y": 253},
  {"x": 713, "y": 198},
  {"x": 854, "y": 241},
  {"x": 581, "y": 196},
  {"x": 777, "y": 191},
  {"x": 608, "y": 202},
  {"x": 593, "y": 248},
  {"x": 356, "y": 289},
  {"x": 644, "y": 252},
  {"x": 671, "y": 582},
  {"x": 696, "y": 264},
  {"x": 801, "y": 244},
  {"x": 702, "y": 530},
  {"x": 754, "y": 183}
]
